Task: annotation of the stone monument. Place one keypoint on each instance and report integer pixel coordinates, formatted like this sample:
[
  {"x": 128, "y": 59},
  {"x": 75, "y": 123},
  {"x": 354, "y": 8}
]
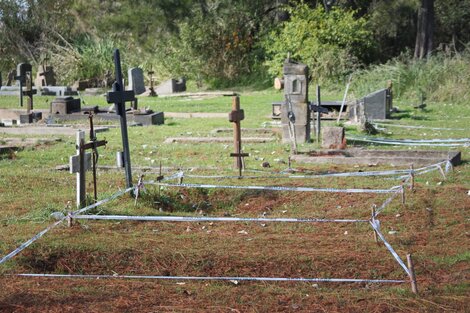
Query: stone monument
[{"x": 295, "y": 111}]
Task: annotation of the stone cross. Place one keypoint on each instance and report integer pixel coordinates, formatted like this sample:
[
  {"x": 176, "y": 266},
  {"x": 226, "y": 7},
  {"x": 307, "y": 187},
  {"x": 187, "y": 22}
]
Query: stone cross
[{"x": 236, "y": 116}]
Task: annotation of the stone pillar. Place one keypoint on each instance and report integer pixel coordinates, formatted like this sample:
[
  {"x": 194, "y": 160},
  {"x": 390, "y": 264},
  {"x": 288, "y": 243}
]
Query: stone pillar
[{"x": 295, "y": 89}]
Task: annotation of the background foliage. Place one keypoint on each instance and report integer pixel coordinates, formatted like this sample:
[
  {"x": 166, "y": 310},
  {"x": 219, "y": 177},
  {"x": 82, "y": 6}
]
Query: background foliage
[{"x": 220, "y": 43}]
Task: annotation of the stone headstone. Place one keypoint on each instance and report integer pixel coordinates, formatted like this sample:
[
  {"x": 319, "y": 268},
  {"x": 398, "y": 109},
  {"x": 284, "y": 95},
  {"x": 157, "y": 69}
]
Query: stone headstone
[
  {"x": 374, "y": 106},
  {"x": 296, "y": 89},
  {"x": 136, "y": 80},
  {"x": 22, "y": 70},
  {"x": 333, "y": 138},
  {"x": 45, "y": 76},
  {"x": 65, "y": 105},
  {"x": 171, "y": 86}
]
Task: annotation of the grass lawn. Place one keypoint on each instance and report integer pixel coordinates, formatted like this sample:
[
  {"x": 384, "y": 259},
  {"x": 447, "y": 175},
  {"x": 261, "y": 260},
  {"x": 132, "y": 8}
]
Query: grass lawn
[{"x": 432, "y": 224}]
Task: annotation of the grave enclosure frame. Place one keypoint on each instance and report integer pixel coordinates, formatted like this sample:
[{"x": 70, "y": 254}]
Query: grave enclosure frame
[{"x": 408, "y": 176}]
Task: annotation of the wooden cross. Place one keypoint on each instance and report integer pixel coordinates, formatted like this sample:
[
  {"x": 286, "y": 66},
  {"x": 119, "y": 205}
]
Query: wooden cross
[
  {"x": 236, "y": 116},
  {"x": 83, "y": 161}
]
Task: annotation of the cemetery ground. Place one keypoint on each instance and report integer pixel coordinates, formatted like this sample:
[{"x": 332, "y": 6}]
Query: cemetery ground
[{"x": 432, "y": 224}]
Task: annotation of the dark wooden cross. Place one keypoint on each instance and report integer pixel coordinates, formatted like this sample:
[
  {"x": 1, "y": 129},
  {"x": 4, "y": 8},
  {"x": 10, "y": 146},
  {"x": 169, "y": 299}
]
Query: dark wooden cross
[
  {"x": 236, "y": 116},
  {"x": 24, "y": 75},
  {"x": 119, "y": 97}
]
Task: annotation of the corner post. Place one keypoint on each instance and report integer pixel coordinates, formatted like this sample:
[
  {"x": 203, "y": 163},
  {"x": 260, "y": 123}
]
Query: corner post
[{"x": 414, "y": 286}]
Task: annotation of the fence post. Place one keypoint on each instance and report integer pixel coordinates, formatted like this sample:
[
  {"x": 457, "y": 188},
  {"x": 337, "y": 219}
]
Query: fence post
[{"x": 414, "y": 286}]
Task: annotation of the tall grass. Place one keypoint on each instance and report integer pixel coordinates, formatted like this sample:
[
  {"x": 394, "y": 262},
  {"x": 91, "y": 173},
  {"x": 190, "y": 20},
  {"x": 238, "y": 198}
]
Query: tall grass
[{"x": 442, "y": 77}]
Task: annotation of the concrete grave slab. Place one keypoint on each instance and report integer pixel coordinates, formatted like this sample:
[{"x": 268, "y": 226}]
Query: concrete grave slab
[
  {"x": 195, "y": 115},
  {"x": 253, "y": 130},
  {"x": 216, "y": 140},
  {"x": 377, "y": 157}
]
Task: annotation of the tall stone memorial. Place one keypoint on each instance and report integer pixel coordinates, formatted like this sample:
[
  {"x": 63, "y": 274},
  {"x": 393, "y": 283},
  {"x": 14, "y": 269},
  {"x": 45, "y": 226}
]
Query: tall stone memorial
[{"x": 295, "y": 111}]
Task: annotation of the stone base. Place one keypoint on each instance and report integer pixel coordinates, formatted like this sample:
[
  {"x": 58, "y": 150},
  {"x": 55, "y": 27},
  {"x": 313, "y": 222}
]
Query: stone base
[
  {"x": 26, "y": 118},
  {"x": 156, "y": 118},
  {"x": 333, "y": 138}
]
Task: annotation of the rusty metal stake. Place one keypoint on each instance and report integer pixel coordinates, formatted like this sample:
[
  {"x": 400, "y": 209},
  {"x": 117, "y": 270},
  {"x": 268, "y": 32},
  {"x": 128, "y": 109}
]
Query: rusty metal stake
[
  {"x": 414, "y": 286},
  {"x": 403, "y": 197}
]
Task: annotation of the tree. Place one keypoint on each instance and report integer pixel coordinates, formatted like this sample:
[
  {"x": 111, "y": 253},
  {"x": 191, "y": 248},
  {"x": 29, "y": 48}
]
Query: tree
[{"x": 425, "y": 30}]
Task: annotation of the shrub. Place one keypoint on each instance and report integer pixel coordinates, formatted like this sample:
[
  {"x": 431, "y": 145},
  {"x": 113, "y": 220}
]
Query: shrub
[{"x": 332, "y": 43}]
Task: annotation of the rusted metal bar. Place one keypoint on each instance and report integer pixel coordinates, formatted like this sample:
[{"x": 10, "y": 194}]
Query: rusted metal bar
[{"x": 414, "y": 286}]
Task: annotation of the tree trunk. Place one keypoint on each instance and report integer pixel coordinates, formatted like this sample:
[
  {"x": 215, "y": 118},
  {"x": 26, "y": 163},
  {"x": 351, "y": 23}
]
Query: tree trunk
[{"x": 425, "y": 30}]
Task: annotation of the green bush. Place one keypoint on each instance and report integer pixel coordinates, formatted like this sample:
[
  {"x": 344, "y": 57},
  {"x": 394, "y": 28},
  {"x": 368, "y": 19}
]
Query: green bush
[{"x": 332, "y": 43}]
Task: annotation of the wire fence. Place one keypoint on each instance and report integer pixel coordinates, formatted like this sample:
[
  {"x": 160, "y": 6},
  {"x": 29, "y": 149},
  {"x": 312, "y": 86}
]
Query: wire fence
[{"x": 373, "y": 221}]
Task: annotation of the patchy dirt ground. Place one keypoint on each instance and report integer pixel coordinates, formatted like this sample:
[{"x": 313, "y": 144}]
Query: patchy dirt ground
[{"x": 432, "y": 229}]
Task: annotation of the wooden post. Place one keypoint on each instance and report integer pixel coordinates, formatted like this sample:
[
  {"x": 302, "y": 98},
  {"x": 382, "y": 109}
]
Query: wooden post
[
  {"x": 236, "y": 116},
  {"x": 376, "y": 239},
  {"x": 318, "y": 121},
  {"x": 403, "y": 197},
  {"x": 21, "y": 92},
  {"x": 81, "y": 188},
  {"x": 237, "y": 132},
  {"x": 412, "y": 177},
  {"x": 69, "y": 219},
  {"x": 29, "y": 90},
  {"x": 414, "y": 286}
]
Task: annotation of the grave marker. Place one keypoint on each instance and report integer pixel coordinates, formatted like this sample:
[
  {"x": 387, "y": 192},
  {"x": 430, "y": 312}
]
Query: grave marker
[
  {"x": 136, "y": 80},
  {"x": 84, "y": 161},
  {"x": 295, "y": 112},
  {"x": 119, "y": 97},
  {"x": 236, "y": 116},
  {"x": 152, "y": 83}
]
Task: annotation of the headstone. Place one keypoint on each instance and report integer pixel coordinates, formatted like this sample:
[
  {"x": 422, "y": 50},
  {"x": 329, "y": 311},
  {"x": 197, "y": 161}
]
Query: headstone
[
  {"x": 45, "y": 76},
  {"x": 295, "y": 113},
  {"x": 171, "y": 86},
  {"x": 22, "y": 70},
  {"x": 65, "y": 105},
  {"x": 136, "y": 80},
  {"x": 375, "y": 106},
  {"x": 333, "y": 138}
]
